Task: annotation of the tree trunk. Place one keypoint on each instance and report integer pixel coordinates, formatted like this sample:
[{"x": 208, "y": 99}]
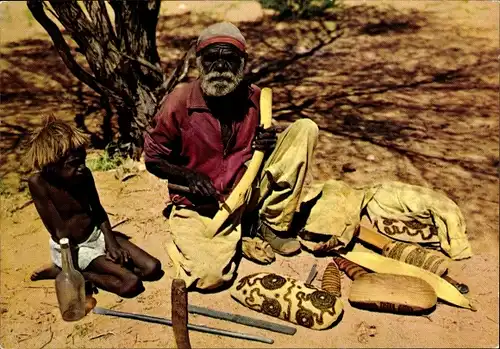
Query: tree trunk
[{"x": 123, "y": 60}]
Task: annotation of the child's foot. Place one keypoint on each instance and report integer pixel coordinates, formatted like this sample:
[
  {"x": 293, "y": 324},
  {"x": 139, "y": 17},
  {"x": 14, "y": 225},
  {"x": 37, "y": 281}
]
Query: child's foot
[
  {"x": 90, "y": 303},
  {"x": 45, "y": 273}
]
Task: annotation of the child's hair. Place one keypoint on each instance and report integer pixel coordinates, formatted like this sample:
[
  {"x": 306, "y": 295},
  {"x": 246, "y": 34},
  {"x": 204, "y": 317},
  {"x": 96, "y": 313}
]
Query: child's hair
[{"x": 52, "y": 142}]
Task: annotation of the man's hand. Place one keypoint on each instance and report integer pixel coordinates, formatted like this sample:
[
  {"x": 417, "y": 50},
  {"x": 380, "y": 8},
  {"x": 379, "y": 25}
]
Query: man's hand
[
  {"x": 265, "y": 139},
  {"x": 115, "y": 253},
  {"x": 201, "y": 184}
]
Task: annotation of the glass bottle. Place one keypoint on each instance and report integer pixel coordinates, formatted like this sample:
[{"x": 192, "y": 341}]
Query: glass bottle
[{"x": 70, "y": 287}]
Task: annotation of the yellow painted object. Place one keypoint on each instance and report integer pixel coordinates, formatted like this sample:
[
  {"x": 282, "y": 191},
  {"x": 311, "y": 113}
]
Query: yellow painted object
[
  {"x": 381, "y": 264},
  {"x": 392, "y": 293},
  {"x": 418, "y": 256},
  {"x": 288, "y": 299},
  {"x": 413, "y": 254},
  {"x": 239, "y": 193},
  {"x": 331, "y": 280}
]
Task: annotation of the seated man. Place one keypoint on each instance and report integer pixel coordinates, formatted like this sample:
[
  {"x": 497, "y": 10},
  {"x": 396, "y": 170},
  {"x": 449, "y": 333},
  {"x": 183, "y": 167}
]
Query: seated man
[
  {"x": 67, "y": 201},
  {"x": 202, "y": 137}
]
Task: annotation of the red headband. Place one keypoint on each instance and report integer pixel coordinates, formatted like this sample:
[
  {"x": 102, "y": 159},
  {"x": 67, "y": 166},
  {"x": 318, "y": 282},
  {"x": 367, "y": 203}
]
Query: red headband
[{"x": 220, "y": 39}]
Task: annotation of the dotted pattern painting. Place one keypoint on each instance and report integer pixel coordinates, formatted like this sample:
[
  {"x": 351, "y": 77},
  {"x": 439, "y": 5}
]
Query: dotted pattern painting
[
  {"x": 411, "y": 230},
  {"x": 288, "y": 299}
]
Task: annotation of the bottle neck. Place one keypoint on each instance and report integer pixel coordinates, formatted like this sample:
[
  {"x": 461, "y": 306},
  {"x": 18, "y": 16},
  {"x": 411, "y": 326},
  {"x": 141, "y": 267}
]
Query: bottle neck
[{"x": 67, "y": 260}]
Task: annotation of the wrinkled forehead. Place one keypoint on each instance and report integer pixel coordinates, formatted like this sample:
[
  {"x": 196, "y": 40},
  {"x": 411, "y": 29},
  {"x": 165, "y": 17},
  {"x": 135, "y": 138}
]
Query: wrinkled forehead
[{"x": 222, "y": 49}]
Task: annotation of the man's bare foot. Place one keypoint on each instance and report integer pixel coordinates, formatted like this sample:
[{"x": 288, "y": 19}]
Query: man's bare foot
[{"x": 45, "y": 273}]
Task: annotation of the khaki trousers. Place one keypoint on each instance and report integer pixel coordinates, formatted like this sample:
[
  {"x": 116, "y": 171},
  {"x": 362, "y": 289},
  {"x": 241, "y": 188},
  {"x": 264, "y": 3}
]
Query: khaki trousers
[{"x": 276, "y": 194}]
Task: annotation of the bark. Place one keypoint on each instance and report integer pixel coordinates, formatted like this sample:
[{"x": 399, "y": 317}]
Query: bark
[{"x": 123, "y": 61}]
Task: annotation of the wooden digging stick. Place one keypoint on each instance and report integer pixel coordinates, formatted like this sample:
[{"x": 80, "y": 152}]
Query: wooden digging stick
[
  {"x": 237, "y": 196},
  {"x": 180, "y": 314}
]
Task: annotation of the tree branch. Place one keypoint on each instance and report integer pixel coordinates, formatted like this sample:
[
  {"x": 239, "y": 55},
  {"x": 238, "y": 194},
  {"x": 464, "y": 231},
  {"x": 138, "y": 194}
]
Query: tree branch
[
  {"x": 102, "y": 3},
  {"x": 137, "y": 22},
  {"x": 100, "y": 19},
  {"x": 101, "y": 53},
  {"x": 275, "y": 66},
  {"x": 117, "y": 6},
  {"x": 74, "y": 20},
  {"x": 123, "y": 62},
  {"x": 36, "y": 8},
  {"x": 145, "y": 63},
  {"x": 51, "y": 11},
  {"x": 179, "y": 72}
]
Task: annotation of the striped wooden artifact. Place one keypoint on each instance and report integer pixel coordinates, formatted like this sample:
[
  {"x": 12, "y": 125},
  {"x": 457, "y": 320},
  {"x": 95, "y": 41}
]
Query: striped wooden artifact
[
  {"x": 387, "y": 292},
  {"x": 331, "y": 280},
  {"x": 381, "y": 264}
]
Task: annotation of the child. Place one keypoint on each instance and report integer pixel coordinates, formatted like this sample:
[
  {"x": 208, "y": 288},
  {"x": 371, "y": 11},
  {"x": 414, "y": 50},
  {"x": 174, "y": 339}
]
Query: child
[{"x": 67, "y": 201}]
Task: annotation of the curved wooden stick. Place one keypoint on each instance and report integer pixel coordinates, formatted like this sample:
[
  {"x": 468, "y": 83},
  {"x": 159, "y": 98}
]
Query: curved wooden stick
[
  {"x": 237, "y": 196},
  {"x": 381, "y": 264},
  {"x": 180, "y": 314},
  {"x": 351, "y": 269}
]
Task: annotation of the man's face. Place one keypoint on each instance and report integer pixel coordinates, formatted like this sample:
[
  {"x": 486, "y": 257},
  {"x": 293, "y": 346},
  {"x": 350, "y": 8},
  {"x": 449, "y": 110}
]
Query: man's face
[{"x": 221, "y": 69}]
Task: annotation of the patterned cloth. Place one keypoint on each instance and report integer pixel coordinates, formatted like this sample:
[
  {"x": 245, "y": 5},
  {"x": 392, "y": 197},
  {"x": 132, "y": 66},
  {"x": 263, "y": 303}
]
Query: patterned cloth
[
  {"x": 88, "y": 250},
  {"x": 402, "y": 211},
  {"x": 417, "y": 214}
]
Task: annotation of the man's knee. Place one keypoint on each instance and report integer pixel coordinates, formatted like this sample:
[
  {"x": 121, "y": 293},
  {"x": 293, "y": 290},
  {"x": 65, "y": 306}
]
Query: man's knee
[
  {"x": 131, "y": 287},
  {"x": 152, "y": 270},
  {"x": 307, "y": 127}
]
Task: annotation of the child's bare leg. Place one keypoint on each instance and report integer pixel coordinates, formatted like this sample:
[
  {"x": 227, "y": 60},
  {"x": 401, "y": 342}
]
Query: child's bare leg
[
  {"x": 46, "y": 272},
  {"x": 114, "y": 278},
  {"x": 147, "y": 267},
  {"x": 50, "y": 272}
]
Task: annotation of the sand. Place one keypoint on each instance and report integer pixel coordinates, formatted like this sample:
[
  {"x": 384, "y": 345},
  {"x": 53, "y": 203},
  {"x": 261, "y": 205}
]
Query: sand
[{"x": 379, "y": 114}]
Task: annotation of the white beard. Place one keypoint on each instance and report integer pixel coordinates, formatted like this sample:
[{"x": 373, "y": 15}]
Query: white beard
[{"x": 219, "y": 88}]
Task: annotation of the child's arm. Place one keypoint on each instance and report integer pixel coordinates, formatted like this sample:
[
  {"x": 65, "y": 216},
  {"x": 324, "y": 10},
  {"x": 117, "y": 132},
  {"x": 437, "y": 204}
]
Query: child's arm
[
  {"x": 45, "y": 208},
  {"x": 115, "y": 252}
]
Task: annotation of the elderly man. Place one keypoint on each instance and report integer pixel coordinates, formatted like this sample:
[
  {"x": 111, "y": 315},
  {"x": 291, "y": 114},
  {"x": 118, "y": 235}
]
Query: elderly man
[{"x": 203, "y": 137}]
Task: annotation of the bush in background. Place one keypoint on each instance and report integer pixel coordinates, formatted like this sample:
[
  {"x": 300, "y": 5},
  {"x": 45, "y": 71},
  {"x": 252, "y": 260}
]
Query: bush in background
[
  {"x": 298, "y": 9},
  {"x": 104, "y": 162}
]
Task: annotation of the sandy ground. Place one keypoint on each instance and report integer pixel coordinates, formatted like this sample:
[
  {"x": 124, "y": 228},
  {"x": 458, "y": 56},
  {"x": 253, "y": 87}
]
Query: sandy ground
[{"x": 413, "y": 97}]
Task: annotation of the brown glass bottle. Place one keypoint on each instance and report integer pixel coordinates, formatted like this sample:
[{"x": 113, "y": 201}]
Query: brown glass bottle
[{"x": 70, "y": 287}]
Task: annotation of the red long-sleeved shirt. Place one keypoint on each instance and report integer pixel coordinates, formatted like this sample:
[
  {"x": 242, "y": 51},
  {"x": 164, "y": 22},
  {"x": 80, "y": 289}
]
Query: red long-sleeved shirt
[{"x": 186, "y": 133}]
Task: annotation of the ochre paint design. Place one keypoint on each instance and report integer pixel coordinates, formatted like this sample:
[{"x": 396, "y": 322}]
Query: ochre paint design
[
  {"x": 288, "y": 299},
  {"x": 352, "y": 270},
  {"x": 416, "y": 255},
  {"x": 331, "y": 279},
  {"x": 411, "y": 228}
]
